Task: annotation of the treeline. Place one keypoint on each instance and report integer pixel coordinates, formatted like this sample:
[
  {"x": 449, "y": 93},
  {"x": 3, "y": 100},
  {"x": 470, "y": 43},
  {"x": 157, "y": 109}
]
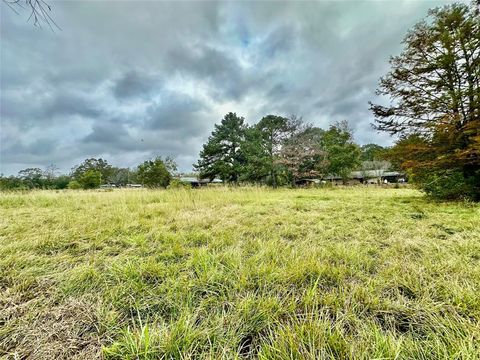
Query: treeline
[
  {"x": 434, "y": 88},
  {"x": 280, "y": 151},
  {"x": 92, "y": 173},
  {"x": 277, "y": 151}
]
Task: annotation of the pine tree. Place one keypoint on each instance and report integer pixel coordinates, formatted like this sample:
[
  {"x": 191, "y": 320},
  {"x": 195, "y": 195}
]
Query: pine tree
[{"x": 221, "y": 156}]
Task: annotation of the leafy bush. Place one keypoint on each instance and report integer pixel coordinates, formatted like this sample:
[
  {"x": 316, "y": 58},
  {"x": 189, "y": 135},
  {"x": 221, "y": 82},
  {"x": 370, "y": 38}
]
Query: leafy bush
[
  {"x": 446, "y": 185},
  {"x": 90, "y": 179},
  {"x": 74, "y": 184},
  {"x": 155, "y": 173},
  {"x": 60, "y": 182},
  {"x": 178, "y": 184}
]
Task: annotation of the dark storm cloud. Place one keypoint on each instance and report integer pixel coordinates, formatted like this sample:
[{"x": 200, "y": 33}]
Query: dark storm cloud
[
  {"x": 65, "y": 104},
  {"x": 176, "y": 112},
  {"x": 40, "y": 107},
  {"x": 37, "y": 149},
  {"x": 107, "y": 133},
  {"x": 227, "y": 80},
  {"x": 134, "y": 85},
  {"x": 133, "y": 79}
]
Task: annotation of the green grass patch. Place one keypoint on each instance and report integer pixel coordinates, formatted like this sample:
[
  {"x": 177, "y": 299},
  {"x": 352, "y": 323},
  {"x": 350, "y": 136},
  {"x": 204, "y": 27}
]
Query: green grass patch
[{"x": 348, "y": 273}]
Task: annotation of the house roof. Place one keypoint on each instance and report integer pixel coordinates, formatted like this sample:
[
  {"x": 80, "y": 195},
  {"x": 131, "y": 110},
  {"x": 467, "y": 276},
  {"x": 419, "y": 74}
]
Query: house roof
[
  {"x": 366, "y": 174},
  {"x": 191, "y": 180},
  {"x": 316, "y": 181}
]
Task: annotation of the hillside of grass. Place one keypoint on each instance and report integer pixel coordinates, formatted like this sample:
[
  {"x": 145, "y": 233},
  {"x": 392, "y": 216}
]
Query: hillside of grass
[{"x": 355, "y": 273}]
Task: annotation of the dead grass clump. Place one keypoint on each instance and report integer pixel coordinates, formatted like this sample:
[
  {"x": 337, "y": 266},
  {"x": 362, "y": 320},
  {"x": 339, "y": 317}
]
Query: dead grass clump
[{"x": 65, "y": 331}]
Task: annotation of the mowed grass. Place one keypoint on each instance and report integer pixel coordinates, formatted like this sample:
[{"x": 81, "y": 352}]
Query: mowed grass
[{"x": 357, "y": 273}]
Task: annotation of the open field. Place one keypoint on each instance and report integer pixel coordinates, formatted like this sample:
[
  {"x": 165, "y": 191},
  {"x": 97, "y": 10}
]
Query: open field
[{"x": 233, "y": 273}]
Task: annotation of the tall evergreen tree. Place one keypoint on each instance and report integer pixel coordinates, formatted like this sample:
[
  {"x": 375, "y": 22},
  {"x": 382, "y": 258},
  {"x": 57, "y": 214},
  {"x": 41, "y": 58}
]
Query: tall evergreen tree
[
  {"x": 221, "y": 156},
  {"x": 256, "y": 166}
]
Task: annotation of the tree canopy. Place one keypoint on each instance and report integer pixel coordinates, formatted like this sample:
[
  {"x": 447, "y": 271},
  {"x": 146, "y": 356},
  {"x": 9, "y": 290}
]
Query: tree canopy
[
  {"x": 155, "y": 173},
  {"x": 277, "y": 150},
  {"x": 221, "y": 156},
  {"x": 372, "y": 152},
  {"x": 343, "y": 155},
  {"x": 90, "y": 179},
  {"x": 100, "y": 165},
  {"x": 262, "y": 148},
  {"x": 434, "y": 85},
  {"x": 302, "y": 155}
]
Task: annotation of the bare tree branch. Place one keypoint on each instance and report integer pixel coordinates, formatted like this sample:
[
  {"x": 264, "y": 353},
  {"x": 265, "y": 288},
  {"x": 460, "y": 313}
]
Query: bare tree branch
[{"x": 39, "y": 11}]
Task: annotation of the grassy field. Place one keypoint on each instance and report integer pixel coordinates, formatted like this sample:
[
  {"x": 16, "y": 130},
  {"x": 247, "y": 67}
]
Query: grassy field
[{"x": 238, "y": 273}]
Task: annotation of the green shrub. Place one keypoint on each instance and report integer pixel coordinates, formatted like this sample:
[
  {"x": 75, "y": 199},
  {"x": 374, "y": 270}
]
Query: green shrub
[
  {"x": 154, "y": 173},
  {"x": 90, "y": 179},
  {"x": 446, "y": 185},
  {"x": 178, "y": 184},
  {"x": 74, "y": 184}
]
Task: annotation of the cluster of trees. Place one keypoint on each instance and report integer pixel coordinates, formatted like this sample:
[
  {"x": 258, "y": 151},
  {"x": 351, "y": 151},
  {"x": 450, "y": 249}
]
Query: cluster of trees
[
  {"x": 91, "y": 173},
  {"x": 35, "y": 178},
  {"x": 278, "y": 151},
  {"x": 434, "y": 86}
]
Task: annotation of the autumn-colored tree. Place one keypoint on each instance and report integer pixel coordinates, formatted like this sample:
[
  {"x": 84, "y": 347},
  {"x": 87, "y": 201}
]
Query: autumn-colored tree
[
  {"x": 434, "y": 85},
  {"x": 262, "y": 147},
  {"x": 303, "y": 156}
]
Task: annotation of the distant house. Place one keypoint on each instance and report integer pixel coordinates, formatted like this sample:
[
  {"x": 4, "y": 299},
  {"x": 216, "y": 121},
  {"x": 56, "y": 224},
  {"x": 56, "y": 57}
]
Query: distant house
[
  {"x": 108, "y": 186},
  {"x": 308, "y": 182},
  {"x": 379, "y": 176},
  {"x": 338, "y": 180},
  {"x": 394, "y": 176},
  {"x": 376, "y": 177},
  {"x": 195, "y": 182}
]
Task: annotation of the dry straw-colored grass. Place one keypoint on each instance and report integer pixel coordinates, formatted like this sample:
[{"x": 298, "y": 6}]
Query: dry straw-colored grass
[{"x": 357, "y": 273}]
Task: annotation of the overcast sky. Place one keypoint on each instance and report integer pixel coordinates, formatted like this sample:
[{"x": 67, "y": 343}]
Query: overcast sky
[{"x": 127, "y": 80}]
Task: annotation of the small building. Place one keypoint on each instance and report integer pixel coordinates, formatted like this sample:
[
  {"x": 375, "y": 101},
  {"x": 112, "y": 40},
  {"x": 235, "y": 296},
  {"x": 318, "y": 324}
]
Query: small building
[
  {"x": 394, "y": 177},
  {"x": 195, "y": 182},
  {"x": 367, "y": 177},
  {"x": 108, "y": 186},
  {"x": 338, "y": 180},
  {"x": 308, "y": 182}
]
